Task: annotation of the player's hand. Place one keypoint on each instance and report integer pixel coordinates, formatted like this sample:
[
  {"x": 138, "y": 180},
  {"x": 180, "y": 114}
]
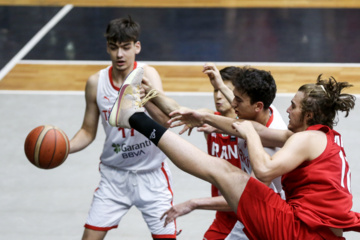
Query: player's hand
[
  {"x": 206, "y": 128},
  {"x": 177, "y": 211},
  {"x": 146, "y": 85},
  {"x": 186, "y": 128},
  {"x": 214, "y": 75},
  {"x": 190, "y": 118},
  {"x": 243, "y": 127}
]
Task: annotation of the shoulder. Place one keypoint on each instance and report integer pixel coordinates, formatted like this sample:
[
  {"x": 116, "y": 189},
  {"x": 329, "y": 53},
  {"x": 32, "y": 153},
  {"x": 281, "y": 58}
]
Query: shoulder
[
  {"x": 93, "y": 79},
  {"x": 91, "y": 85},
  {"x": 309, "y": 136},
  {"x": 311, "y": 143},
  {"x": 153, "y": 76},
  {"x": 149, "y": 70}
]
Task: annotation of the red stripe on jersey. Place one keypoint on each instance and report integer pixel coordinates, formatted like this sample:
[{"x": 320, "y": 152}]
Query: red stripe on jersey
[
  {"x": 111, "y": 79},
  {"x": 271, "y": 118}
]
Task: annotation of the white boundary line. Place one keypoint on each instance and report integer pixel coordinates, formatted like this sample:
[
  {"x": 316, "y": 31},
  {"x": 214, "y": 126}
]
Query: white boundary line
[
  {"x": 166, "y": 63},
  {"x": 26, "y": 49}
]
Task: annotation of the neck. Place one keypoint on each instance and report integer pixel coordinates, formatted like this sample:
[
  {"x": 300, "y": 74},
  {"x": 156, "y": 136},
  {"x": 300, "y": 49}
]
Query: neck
[
  {"x": 120, "y": 75},
  {"x": 229, "y": 114},
  {"x": 264, "y": 117}
]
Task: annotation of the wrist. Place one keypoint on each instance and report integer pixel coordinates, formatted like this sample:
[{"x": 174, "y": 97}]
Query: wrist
[{"x": 193, "y": 204}]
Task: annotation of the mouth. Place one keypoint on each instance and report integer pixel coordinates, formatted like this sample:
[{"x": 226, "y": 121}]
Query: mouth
[{"x": 120, "y": 63}]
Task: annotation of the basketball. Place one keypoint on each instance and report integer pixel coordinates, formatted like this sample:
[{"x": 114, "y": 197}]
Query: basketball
[{"x": 47, "y": 147}]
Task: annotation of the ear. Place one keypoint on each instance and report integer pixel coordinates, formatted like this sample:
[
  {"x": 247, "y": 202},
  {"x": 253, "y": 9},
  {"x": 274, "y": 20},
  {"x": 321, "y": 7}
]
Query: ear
[
  {"x": 309, "y": 115},
  {"x": 137, "y": 47},
  {"x": 259, "y": 106}
]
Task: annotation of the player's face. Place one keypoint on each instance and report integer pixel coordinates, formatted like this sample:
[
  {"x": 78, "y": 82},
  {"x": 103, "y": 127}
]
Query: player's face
[
  {"x": 123, "y": 54},
  {"x": 297, "y": 122},
  {"x": 221, "y": 103},
  {"x": 242, "y": 106}
]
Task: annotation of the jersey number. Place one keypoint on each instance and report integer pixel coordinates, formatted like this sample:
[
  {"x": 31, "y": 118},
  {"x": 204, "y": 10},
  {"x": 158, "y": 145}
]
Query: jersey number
[{"x": 345, "y": 175}]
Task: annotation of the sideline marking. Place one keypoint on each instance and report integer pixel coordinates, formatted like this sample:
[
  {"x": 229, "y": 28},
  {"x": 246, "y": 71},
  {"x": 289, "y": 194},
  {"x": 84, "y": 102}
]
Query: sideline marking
[{"x": 26, "y": 49}]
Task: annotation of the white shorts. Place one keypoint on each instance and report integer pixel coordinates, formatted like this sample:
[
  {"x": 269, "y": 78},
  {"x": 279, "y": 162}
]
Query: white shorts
[
  {"x": 237, "y": 233},
  {"x": 149, "y": 191}
]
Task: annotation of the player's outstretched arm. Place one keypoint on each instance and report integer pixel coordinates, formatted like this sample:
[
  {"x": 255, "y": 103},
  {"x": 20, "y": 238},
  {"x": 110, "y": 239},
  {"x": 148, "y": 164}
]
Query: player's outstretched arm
[
  {"x": 217, "y": 82},
  {"x": 163, "y": 102},
  {"x": 211, "y": 203},
  {"x": 197, "y": 118},
  {"x": 301, "y": 147}
]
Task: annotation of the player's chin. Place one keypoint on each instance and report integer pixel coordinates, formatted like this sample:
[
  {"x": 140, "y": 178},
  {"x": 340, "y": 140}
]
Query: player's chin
[{"x": 291, "y": 128}]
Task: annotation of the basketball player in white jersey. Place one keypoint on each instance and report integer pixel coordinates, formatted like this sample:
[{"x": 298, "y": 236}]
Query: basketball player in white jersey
[
  {"x": 133, "y": 170},
  {"x": 252, "y": 97}
]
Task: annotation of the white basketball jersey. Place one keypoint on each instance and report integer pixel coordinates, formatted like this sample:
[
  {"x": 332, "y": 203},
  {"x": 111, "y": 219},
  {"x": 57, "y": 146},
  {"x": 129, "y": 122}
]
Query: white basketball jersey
[
  {"x": 126, "y": 149},
  {"x": 275, "y": 122}
]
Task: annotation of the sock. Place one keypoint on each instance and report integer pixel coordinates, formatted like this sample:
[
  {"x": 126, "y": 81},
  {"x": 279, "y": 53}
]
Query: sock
[{"x": 147, "y": 127}]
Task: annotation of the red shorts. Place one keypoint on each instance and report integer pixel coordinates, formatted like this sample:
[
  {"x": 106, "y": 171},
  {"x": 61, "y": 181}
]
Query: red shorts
[
  {"x": 222, "y": 225},
  {"x": 266, "y": 216},
  {"x": 213, "y": 234}
]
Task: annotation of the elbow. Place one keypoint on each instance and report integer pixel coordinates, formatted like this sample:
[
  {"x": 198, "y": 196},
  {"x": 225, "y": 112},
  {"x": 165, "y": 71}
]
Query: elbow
[{"x": 263, "y": 174}]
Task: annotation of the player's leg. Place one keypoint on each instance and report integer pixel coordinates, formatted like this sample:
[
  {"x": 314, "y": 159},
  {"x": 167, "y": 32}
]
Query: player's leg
[
  {"x": 111, "y": 201},
  {"x": 90, "y": 234},
  {"x": 154, "y": 195},
  {"x": 229, "y": 179},
  {"x": 130, "y": 114}
]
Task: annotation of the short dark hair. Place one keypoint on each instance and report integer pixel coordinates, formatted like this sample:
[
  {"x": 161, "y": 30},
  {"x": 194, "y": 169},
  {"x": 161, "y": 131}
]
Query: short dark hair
[
  {"x": 229, "y": 73},
  {"x": 259, "y": 85},
  {"x": 122, "y": 30}
]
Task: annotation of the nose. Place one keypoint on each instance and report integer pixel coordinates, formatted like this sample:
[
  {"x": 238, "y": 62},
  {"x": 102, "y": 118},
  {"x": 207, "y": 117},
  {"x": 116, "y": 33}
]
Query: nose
[
  {"x": 233, "y": 103},
  {"x": 119, "y": 53},
  {"x": 288, "y": 110}
]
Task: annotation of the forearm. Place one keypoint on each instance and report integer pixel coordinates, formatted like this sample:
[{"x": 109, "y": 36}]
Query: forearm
[
  {"x": 271, "y": 137},
  {"x": 259, "y": 158},
  {"x": 165, "y": 104},
  {"x": 212, "y": 203},
  {"x": 227, "y": 92},
  {"x": 81, "y": 140},
  {"x": 156, "y": 114},
  {"x": 222, "y": 123}
]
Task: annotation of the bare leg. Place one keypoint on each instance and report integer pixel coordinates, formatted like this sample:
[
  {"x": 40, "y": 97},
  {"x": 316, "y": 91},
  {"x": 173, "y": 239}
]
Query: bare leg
[
  {"x": 93, "y": 235},
  {"x": 229, "y": 179}
]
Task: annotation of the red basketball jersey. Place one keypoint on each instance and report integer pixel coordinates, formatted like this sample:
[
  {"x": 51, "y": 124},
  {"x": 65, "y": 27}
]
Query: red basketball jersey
[
  {"x": 319, "y": 190},
  {"x": 223, "y": 146}
]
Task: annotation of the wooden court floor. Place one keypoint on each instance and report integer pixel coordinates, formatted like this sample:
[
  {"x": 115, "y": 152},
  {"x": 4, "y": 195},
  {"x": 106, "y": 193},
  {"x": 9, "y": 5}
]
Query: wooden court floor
[
  {"x": 182, "y": 78},
  {"x": 68, "y": 77}
]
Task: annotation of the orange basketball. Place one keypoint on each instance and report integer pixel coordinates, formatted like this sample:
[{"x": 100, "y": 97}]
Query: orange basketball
[{"x": 47, "y": 147}]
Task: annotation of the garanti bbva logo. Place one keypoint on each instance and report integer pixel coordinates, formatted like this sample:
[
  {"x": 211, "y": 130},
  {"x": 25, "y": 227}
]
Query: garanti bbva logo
[{"x": 130, "y": 151}]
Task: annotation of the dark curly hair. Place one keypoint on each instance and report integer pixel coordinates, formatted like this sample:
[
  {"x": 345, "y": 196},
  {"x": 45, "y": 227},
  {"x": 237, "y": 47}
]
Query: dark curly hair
[
  {"x": 259, "y": 85},
  {"x": 324, "y": 99}
]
